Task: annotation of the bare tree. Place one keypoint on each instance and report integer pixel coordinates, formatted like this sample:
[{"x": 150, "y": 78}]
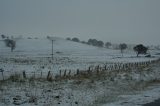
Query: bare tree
[
  {"x": 10, "y": 43},
  {"x": 122, "y": 47}
]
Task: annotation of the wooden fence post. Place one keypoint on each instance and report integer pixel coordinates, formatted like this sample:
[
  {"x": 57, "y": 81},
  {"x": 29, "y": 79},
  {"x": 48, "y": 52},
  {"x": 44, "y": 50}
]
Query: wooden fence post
[
  {"x": 105, "y": 67},
  {"x": 77, "y": 71},
  {"x": 69, "y": 73},
  {"x": 48, "y": 76},
  {"x": 41, "y": 74},
  {"x": 64, "y": 73},
  {"x": 24, "y": 74},
  {"x": 1, "y": 70},
  {"x": 89, "y": 70},
  {"x": 97, "y": 71},
  {"x": 60, "y": 72}
]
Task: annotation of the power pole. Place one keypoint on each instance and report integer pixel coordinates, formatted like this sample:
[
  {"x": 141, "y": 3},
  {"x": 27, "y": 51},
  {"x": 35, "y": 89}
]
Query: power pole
[{"x": 52, "y": 50}]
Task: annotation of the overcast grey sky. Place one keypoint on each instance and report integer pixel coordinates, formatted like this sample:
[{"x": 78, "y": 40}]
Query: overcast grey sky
[{"x": 128, "y": 21}]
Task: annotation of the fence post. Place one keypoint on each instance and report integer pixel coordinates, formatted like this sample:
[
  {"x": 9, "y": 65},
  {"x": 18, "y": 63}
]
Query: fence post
[
  {"x": 1, "y": 70},
  {"x": 77, "y": 71},
  {"x": 97, "y": 71},
  {"x": 41, "y": 74},
  {"x": 64, "y": 73},
  {"x": 89, "y": 70},
  {"x": 24, "y": 74},
  {"x": 69, "y": 73},
  {"x": 105, "y": 67},
  {"x": 60, "y": 72},
  {"x": 48, "y": 75}
]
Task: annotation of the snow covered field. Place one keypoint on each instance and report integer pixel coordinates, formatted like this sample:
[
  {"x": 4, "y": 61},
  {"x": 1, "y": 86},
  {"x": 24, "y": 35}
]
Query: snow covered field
[
  {"x": 31, "y": 55},
  {"x": 110, "y": 89}
]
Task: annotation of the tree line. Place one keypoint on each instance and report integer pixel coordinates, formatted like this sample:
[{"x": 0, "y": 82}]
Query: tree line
[
  {"x": 139, "y": 49},
  {"x": 93, "y": 42}
]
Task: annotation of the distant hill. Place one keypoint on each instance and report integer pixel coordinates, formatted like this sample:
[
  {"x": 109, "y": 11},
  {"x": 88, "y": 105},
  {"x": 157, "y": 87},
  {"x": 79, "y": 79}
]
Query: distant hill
[{"x": 44, "y": 46}]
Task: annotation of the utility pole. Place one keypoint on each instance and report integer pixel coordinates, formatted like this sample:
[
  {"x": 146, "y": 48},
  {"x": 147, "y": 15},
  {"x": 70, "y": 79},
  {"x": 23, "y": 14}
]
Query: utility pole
[
  {"x": 52, "y": 50},
  {"x": 52, "y": 40}
]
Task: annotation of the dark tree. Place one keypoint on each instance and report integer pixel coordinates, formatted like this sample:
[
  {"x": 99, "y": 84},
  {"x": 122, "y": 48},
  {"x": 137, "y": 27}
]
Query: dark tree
[
  {"x": 108, "y": 44},
  {"x": 68, "y": 38},
  {"x": 140, "y": 49},
  {"x": 95, "y": 42},
  {"x": 10, "y": 43},
  {"x": 13, "y": 45},
  {"x": 75, "y": 39},
  {"x": 122, "y": 47},
  {"x": 92, "y": 42},
  {"x": 3, "y": 36},
  {"x": 100, "y": 43}
]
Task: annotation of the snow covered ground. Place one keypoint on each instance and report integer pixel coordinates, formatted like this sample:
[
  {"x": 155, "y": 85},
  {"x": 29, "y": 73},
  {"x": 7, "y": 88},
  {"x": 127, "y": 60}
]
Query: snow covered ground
[
  {"x": 110, "y": 89},
  {"x": 148, "y": 95},
  {"x": 32, "y": 54},
  {"x": 126, "y": 88}
]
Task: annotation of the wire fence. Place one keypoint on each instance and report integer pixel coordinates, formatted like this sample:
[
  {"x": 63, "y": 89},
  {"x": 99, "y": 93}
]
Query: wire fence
[{"x": 68, "y": 74}]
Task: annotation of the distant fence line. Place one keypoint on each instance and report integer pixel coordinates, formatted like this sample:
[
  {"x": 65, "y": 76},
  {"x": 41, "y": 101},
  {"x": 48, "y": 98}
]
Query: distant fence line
[{"x": 91, "y": 70}]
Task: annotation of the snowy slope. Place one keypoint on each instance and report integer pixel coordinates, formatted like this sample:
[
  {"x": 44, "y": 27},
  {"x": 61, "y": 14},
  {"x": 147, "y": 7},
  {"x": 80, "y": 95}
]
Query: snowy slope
[
  {"x": 67, "y": 55},
  {"x": 42, "y": 47},
  {"x": 28, "y": 46}
]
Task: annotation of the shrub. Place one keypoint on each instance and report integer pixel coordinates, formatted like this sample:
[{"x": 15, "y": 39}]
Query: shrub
[{"x": 75, "y": 39}]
